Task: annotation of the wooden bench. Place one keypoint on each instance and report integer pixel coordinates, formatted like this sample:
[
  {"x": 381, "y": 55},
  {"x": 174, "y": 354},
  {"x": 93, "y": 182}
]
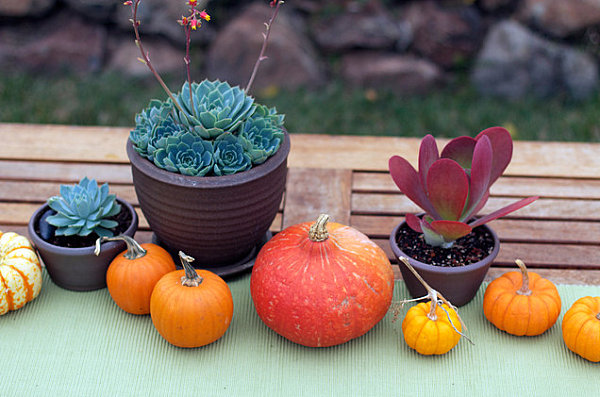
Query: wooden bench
[{"x": 345, "y": 176}]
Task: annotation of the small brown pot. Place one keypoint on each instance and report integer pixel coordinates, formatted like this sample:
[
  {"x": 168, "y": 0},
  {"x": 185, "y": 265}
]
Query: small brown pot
[
  {"x": 218, "y": 220},
  {"x": 457, "y": 284},
  {"x": 78, "y": 269}
]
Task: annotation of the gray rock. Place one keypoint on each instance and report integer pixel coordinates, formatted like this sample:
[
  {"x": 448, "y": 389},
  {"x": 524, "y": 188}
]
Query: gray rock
[
  {"x": 101, "y": 10},
  {"x": 560, "y": 17},
  {"x": 358, "y": 30},
  {"x": 291, "y": 62},
  {"x": 514, "y": 63},
  {"x": 165, "y": 57},
  {"x": 403, "y": 74},
  {"x": 447, "y": 36},
  {"x": 65, "y": 42},
  {"x": 23, "y": 8}
]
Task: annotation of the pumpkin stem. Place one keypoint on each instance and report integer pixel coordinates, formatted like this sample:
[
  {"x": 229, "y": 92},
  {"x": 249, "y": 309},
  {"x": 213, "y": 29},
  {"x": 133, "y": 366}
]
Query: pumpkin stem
[
  {"x": 191, "y": 278},
  {"x": 432, "y": 305},
  {"x": 524, "y": 290},
  {"x": 318, "y": 231},
  {"x": 134, "y": 250},
  {"x": 598, "y": 316}
]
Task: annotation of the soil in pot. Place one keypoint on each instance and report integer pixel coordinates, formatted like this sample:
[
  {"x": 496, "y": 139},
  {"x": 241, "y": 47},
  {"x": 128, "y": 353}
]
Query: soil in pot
[
  {"x": 466, "y": 250},
  {"x": 46, "y": 231}
]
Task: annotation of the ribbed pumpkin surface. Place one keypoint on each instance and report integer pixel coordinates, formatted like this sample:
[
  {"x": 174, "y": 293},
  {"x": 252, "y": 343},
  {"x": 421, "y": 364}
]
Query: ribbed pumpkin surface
[{"x": 20, "y": 272}]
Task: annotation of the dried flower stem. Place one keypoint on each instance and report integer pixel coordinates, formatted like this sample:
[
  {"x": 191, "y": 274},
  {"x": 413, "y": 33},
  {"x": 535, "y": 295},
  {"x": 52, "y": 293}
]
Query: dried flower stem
[
  {"x": 145, "y": 58},
  {"x": 188, "y": 38},
  {"x": 261, "y": 57}
]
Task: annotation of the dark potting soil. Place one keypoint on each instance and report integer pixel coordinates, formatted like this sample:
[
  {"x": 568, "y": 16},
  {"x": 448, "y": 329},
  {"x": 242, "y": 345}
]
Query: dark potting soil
[
  {"x": 123, "y": 218},
  {"x": 466, "y": 250}
]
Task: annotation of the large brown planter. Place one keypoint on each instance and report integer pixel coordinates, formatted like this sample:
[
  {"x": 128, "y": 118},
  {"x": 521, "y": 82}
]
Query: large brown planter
[
  {"x": 78, "y": 269},
  {"x": 219, "y": 220},
  {"x": 457, "y": 284}
]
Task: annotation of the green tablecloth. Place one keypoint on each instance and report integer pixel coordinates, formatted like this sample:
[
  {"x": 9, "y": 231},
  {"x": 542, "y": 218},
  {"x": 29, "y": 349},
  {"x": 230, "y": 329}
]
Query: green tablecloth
[{"x": 81, "y": 344}]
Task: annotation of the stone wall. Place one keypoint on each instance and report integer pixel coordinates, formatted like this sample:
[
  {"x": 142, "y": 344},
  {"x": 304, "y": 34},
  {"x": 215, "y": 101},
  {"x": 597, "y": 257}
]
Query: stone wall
[{"x": 510, "y": 48}]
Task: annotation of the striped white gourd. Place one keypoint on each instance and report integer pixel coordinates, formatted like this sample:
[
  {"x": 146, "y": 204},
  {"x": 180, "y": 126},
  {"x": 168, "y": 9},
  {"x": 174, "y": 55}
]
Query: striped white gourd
[{"x": 20, "y": 272}]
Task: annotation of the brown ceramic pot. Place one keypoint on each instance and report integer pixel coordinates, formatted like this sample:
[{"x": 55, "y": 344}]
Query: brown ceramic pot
[
  {"x": 78, "y": 269},
  {"x": 457, "y": 284},
  {"x": 218, "y": 220}
]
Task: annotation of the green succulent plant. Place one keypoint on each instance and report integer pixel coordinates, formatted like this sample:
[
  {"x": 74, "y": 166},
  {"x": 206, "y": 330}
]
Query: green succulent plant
[
  {"x": 224, "y": 132},
  {"x": 185, "y": 153},
  {"x": 84, "y": 208},
  {"x": 230, "y": 155},
  {"x": 263, "y": 137},
  {"x": 217, "y": 108}
]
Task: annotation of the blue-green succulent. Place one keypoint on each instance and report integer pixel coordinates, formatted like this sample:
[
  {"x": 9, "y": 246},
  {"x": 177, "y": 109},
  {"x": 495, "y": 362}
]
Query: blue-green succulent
[
  {"x": 186, "y": 154},
  {"x": 219, "y": 132},
  {"x": 230, "y": 155},
  {"x": 217, "y": 108},
  {"x": 84, "y": 208}
]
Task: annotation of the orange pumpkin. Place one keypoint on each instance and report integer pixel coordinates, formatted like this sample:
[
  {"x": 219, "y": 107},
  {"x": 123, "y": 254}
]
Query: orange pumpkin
[
  {"x": 191, "y": 308},
  {"x": 321, "y": 284},
  {"x": 581, "y": 328},
  {"x": 522, "y": 303},
  {"x": 131, "y": 276},
  {"x": 431, "y": 331},
  {"x": 432, "y": 327}
]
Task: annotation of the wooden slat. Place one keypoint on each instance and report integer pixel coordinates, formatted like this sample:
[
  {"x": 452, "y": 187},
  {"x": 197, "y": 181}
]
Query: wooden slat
[
  {"x": 307, "y": 195},
  {"x": 39, "y": 192},
  {"x": 103, "y": 144},
  {"x": 543, "y": 208},
  {"x": 505, "y": 186},
  {"x": 63, "y": 172},
  {"x": 539, "y": 231},
  {"x": 558, "y": 276}
]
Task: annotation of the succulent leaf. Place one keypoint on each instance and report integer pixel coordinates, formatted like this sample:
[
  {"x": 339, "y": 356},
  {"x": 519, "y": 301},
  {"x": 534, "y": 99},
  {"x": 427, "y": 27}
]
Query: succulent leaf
[
  {"x": 460, "y": 149},
  {"x": 407, "y": 180},
  {"x": 428, "y": 154},
  {"x": 187, "y": 154},
  {"x": 83, "y": 208},
  {"x": 503, "y": 211},
  {"x": 262, "y": 138},
  {"x": 447, "y": 188},
  {"x": 502, "y": 148},
  {"x": 480, "y": 175}
]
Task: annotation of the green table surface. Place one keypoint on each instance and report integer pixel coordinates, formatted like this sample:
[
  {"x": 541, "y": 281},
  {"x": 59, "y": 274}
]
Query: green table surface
[{"x": 68, "y": 343}]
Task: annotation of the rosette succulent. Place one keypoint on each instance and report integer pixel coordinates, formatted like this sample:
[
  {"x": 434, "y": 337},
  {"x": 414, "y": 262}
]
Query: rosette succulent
[
  {"x": 230, "y": 155},
  {"x": 454, "y": 186},
  {"x": 84, "y": 208},
  {"x": 213, "y": 108},
  {"x": 224, "y": 132},
  {"x": 186, "y": 154},
  {"x": 263, "y": 134}
]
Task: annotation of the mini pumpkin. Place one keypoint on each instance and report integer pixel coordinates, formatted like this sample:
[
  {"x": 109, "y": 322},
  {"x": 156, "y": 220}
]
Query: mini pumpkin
[
  {"x": 522, "y": 303},
  {"x": 581, "y": 328},
  {"x": 131, "y": 276},
  {"x": 20, "y": 272},
  {"x": 432, "y": 327},
  {"x": 191, "y": 308}
]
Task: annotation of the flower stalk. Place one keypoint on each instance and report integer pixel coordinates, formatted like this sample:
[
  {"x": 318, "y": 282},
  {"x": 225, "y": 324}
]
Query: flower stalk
[{"x": 275, "y": 4}]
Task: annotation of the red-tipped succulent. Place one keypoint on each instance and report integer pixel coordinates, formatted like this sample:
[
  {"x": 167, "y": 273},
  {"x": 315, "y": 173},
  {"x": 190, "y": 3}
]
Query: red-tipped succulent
[{"x": 452, "y": 187}]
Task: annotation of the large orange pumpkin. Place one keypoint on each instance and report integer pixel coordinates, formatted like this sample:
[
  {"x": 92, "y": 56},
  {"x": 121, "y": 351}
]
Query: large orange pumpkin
[
  {"x": 191, "y": 308},
  {"x": 131, "y": 276},
  {"x": 581, "y": 328},
  {"x": 20, "y": 272},
  {"x": 522, "y": 303},
  {"x": 321, "y": 284}
]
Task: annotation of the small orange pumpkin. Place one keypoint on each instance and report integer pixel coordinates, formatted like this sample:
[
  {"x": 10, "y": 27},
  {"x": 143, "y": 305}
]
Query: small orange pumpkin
[
  {"x": 522, "y": 303},
  {"x": 191, "y": 308},
  {"x": 131, "y": 276},
  {"x": 432, "y": 327},
  {"x": 581, "y": 328},
  {"x": 20, "y": 272}
]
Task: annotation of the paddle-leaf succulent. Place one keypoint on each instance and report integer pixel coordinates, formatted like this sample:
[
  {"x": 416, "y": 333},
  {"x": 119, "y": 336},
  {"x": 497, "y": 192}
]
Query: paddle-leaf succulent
[
  {"x": 452, "y": 187},
  {"x": 84, "y": 208}
]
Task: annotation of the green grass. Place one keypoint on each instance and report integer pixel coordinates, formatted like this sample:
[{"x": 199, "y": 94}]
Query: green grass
[{"x": 112, "y": 100}]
